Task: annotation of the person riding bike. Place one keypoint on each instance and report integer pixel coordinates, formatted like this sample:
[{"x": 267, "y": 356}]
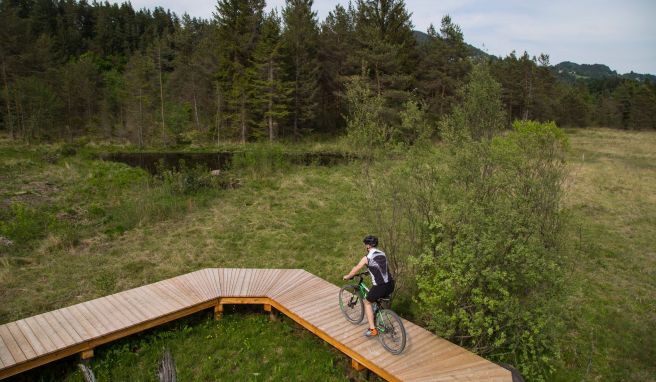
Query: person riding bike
[{"x": 383, "y": 283}]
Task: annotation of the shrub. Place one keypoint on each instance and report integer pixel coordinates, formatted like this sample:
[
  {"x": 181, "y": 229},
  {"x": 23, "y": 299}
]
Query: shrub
[{"x": 492, "y": 265}]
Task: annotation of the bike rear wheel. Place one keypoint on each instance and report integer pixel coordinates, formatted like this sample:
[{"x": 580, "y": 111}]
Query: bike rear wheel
[
  {"x": 391, "y": 332},
  {"x": 350, "y": 302}
]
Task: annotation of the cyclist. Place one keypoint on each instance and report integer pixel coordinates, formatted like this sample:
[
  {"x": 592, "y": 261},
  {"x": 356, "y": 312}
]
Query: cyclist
[{"x": 383, "y": 283}]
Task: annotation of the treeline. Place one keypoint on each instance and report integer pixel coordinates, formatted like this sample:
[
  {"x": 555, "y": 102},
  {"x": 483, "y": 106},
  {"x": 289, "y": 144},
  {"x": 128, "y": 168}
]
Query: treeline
[{"x": 72, "y": 68}]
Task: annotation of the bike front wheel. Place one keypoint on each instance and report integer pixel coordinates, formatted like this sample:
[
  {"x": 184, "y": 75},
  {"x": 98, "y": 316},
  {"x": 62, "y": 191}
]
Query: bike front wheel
[
  {"x": 391, "y": 332},
  {"x": 350, "y": 302}
]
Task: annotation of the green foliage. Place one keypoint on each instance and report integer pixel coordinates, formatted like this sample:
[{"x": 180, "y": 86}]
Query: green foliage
[
  {"x": 493, "y": 265},
  {"x": 415, "y": 128},
  {"x": 365, "y": 125},
  {"x": 481, "y": 113}
]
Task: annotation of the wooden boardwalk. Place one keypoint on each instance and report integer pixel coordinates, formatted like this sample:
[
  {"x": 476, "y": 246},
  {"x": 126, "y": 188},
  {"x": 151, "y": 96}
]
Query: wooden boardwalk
[{"x": 304, "y": 297}]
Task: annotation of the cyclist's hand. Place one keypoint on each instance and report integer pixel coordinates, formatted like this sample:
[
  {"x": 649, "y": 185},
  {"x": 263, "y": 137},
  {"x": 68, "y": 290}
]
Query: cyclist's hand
[{"x": 346, "y": 277}]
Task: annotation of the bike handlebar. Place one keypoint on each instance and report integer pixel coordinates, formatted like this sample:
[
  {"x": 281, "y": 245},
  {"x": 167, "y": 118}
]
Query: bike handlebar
[{"x": 361, "y": 274}]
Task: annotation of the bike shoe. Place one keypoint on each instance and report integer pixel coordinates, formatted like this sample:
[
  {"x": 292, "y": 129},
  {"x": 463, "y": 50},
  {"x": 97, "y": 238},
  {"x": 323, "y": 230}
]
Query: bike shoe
[{"x": 371, "y": 333}]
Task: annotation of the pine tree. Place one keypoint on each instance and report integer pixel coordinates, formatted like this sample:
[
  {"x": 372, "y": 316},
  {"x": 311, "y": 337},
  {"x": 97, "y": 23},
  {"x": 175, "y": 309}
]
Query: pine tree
[
  {"x": 239, "y": 24},
  {"x": 443, "y": 66},
  {"x": 272, "y": 92},
  {"x": 300, "y": 46},
  {"x": 337, "y": 40},
  {"x": 387, "y": 49}
]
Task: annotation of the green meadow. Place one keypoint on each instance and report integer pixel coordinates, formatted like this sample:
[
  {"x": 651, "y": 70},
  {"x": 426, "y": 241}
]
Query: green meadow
[{"x": 81, "y": 228}]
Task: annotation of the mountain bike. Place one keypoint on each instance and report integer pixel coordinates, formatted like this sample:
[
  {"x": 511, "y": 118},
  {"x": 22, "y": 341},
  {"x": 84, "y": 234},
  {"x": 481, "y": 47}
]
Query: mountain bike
[{"x": 391, "y": 332}]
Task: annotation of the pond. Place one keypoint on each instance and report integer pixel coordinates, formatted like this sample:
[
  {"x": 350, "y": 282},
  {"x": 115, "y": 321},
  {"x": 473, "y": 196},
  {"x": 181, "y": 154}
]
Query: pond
[{"x": 154, "y": 162}]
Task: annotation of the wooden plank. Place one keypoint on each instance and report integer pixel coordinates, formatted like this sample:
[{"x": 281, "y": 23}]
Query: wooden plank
[
  {"x": 206, "y": 277},
  {"x": 102, "y": 314},
  {"x": 21, "y": 340},
  {"x": 155, "y": 301},
  {"x": 227, "y": 273},
  {"x": 288, "y": 280},
  {"x": 55, "y": 332},
  {"x": 120, "y": 303},
  {"x": 165, "y": 298},
  {"x": 176, "y": 293},
  {"x": 114, "y": 314},
  {"x": 187, "y": 288},
  {"x": 133, "y": 299},
  {"x": 77, "y": 323},
  {"x": 308, "y": 293},
  {"x": 237, "y": 280},
  {"x": 98, "y": 327},
  {"x": 13, "y": 346},
  {"x": 201, "y": 289},
  {"x": 245, "y": 276},
  {"x": 6, "y": 359},
  {"x": 41, "y": 333},
  {"x": 256, "y": 279},
  {"x": 149, "y": 302},
  {"x": 210, "y": 282},
  {"x": 217, "y": 281},
  {"x": 223, "y": 285},
  {"x": 38, "y": 347},
  {"x": 269, "y": 276},
  {"x": 243, "y": 300},
  {"x": 75, "y": 335}
]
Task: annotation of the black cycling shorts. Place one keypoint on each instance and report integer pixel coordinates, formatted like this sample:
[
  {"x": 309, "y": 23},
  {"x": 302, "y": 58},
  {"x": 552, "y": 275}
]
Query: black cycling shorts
[{"x": 380, "y": 291}]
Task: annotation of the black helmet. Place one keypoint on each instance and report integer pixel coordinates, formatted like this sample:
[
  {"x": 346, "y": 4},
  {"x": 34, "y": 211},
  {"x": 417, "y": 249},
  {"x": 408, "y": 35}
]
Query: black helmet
[{"x": 371, "y": 240}]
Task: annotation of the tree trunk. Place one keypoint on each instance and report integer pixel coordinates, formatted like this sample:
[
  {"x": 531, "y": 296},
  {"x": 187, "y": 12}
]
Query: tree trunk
[
  {"x": 193, "y": 89},
  {"x": 296, "y": 97},
  {"x": 140, "y": 119},
  {"x": 10, "y": 118},
  {"x": 243, "y": 116},
  {"x": 270, "y": 118},
  {"x": 218, "y": 114},
  {"x": 161, "y": 88}
]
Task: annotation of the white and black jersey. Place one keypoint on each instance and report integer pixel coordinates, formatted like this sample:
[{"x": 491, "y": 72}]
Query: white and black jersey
[{"x": 377, "y": 265}]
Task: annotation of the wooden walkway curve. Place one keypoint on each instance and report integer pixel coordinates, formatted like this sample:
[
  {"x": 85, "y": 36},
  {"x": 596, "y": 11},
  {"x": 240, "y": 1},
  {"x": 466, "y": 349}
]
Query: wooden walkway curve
[{"x": 304, "y": 297}]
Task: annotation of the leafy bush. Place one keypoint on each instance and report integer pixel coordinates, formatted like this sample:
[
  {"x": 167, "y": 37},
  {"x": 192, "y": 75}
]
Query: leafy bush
[
  {"x": 365, "y": 124},
  {"x": 493, "y": 263}
]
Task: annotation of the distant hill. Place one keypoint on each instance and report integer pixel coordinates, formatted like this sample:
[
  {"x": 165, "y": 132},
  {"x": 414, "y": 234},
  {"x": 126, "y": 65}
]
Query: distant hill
[
  {"x": 566, "y": 71},
  {"x": 570, "y": 72}
]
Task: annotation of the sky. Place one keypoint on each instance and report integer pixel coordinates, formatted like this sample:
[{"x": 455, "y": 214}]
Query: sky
[{"x": 620, "y": 34}]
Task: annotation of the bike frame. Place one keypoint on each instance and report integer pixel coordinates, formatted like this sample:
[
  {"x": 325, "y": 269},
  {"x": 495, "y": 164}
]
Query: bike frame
[{"x": 375, "y": 306}]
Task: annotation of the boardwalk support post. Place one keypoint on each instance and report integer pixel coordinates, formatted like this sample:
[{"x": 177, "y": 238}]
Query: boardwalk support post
[
  {"x": 218, "y": 311},
  {"x": 271, "y": 310},
  {"x": 86, "y": 354},
  {"x": 357, "y": 365}
]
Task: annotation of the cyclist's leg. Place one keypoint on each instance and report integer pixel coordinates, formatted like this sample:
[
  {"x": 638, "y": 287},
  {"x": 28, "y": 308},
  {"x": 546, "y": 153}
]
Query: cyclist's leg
[{"x": 376, "y": 292}]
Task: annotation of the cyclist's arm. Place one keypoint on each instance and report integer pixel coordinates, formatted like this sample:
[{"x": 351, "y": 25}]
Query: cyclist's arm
[{"x": 355, "y": 269}]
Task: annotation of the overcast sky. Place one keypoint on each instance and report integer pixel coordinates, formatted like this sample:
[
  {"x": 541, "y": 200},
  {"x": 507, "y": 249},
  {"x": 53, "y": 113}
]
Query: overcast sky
[{"x": 620, "y": 34}]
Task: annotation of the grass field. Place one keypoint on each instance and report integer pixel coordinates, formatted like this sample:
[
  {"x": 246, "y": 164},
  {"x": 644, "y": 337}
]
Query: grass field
[
  {"x": 92, "y": 228},
  {"x": 611, "y": 309}
]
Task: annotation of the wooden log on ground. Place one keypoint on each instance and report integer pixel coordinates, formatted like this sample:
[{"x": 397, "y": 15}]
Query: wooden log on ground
[
  {"x": 87, "y": 373},
  {"x": 166, "y": 369}
]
